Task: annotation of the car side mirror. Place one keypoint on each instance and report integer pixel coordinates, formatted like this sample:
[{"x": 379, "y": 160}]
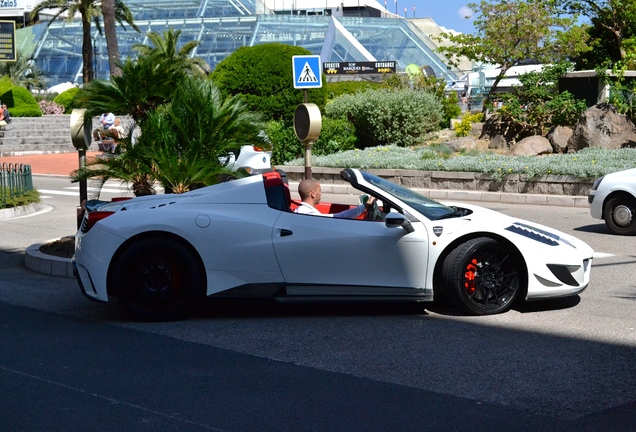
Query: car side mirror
[{"x": 396, "y": 220}]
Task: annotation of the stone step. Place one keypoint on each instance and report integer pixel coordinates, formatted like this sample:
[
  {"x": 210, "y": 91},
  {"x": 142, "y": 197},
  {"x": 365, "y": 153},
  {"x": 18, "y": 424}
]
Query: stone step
[
  {"x": 35, "y": 133},
  {"x": 22, "y": 141}
]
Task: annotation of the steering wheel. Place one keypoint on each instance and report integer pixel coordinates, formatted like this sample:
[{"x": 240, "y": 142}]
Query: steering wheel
[{"x": 373, "y": 213}]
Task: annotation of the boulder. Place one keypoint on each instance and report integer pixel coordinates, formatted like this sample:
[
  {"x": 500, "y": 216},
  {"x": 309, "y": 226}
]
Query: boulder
[
  {"x": 531, "y": 146},
  {"x": 559, "y": 137},
  {"x": 498, "y": 142},
  {"x": 457, "y": 144},
  {"x": 602, "y": 126}
]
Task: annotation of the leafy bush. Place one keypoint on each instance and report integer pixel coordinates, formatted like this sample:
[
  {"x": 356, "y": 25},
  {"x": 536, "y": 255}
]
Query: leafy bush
[
  {"x": 26, "y": 198},
  {"x": 262, "y": 75},
  {"x": 536, "y": 106},
  {"x": 383, "y": 117},
  {"x": 464, "y": 127},
  {"x": 336, "y": 135},
  {"x": 68, "y": 99},
  {"x": 19, "y": 100},
  {"x": 436, "y": 86},
  {"x": 50, "y": 108},
  {"x": 339, "y": 88}
]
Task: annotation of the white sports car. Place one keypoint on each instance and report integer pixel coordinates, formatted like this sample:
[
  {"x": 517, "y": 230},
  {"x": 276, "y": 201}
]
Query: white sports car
[
  {"x": 161, "y": 255},
  {"x": 613, "y": 198}
]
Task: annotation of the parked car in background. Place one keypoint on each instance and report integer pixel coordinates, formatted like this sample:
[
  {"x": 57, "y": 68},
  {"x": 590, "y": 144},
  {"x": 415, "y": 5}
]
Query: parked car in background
[
  {"x": 251, "y": 160},
  {"x": 613, "y": 199},
  {"x": 161, "y": 255}
]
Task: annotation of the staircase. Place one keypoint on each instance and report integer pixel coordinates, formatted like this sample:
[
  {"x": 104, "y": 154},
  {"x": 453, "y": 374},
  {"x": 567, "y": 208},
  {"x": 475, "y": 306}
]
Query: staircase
[{"x": 37, "y": 135}]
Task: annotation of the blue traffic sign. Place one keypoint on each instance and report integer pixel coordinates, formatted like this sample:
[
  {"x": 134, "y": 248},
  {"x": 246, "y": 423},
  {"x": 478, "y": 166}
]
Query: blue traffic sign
[{"x": 307, "y": 71}]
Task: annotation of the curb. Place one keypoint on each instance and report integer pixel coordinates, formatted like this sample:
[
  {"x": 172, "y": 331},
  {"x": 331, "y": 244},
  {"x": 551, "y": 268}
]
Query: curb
[
  {"x": 14, "y": 212},
  {"x": 47, "y": 264}
]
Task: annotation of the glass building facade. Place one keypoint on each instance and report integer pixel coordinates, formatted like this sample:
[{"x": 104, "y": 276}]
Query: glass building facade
[{"x": 336, "y": 32}]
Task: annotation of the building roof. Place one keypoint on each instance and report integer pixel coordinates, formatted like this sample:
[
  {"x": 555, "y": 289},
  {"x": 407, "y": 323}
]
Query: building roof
[{"x": 337, "y": 30}]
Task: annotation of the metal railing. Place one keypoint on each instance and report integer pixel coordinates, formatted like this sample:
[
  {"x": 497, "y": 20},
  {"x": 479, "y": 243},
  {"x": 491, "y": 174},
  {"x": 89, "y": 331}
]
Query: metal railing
[{"x": 15, "y": 180}]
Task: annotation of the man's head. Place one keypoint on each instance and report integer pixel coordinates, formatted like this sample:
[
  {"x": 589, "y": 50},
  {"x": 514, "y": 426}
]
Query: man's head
[{"x": 310, "y": 192}]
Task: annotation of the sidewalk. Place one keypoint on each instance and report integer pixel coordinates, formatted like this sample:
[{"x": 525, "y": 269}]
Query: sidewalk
[{"x": 61, "y": 164}]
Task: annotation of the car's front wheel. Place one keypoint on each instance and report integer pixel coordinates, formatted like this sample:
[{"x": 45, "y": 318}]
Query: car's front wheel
[
  {"x": 620, "y": 215},
  {"x": 158, "y": 279},
  {"x": 482, "y": 277}
]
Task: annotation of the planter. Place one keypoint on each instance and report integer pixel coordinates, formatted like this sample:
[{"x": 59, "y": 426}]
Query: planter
[{"x": 469, "y": 181}]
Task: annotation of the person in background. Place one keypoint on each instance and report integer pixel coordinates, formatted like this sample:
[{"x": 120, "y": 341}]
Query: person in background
[
  {"x": 107, "y": 120},
  {"x": 5, "y": 117},
  {"x": 311, "y": 194}
]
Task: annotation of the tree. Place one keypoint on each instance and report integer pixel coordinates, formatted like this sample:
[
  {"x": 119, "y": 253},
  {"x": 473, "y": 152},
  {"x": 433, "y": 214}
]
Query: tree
[
  {"x": 537, "y": 106},
  {"x": 510, "y": 31},
  {"x": 164, "y": 48},
  {"x": 613, "y": 30},
  {"x": 183, "y": 144},
  {"x": 89, "y": 10},
  {"x": 23, "y": 72},
  {"x": 262, "y": 76},
  {"x": 145, "y": 84}
]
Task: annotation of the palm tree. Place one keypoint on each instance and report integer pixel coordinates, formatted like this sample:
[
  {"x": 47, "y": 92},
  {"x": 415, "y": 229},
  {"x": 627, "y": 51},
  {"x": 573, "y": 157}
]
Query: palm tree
[
  {"x": 23, "y": 72},
  {"x": 145, "y": 84},
  {"x": 164, "y": 45},
  {"x": 89, "y": 10},
  {"x": 183, "y": 143}
]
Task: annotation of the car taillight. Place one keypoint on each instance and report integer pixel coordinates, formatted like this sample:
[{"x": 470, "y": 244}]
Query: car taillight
[
  {"x": 93, "y": 217},
  {"x": 258, "y": 149}
]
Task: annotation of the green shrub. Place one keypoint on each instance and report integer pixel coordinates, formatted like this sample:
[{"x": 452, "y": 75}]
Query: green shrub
[
  {"x": 26, "y": 198},
  {"x": 464, "y": 127},
  {"x": 384, "y": 116},
  {"x": 68, "y": 99},
  {"x": 262, "y": 76},
  {"x": 336, "y": 135},
  {"x": 430, "y": 84},
  {"x": 285, "y": 144},
  {"x": 19, "y": 100},
  {"x": 339, "y": 88}
]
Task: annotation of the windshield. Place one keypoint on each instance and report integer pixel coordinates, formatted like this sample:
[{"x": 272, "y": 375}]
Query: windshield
[{"x": 426, "y": 206}]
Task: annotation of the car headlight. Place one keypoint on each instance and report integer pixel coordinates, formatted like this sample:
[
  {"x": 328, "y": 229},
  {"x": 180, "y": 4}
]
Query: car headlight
[{"x": 597, "y": 183}]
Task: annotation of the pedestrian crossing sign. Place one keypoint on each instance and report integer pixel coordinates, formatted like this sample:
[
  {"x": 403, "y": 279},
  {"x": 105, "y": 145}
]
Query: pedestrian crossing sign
[{"x": 307, "y": 71}]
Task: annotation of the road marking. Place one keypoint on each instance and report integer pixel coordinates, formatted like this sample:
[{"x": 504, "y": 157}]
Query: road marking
[
  {"x": 75, "y": 191},
  {"x": 602, "y": 255}
]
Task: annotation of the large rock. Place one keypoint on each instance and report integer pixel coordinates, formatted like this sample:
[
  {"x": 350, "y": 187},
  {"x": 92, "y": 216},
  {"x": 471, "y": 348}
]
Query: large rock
[
  {"x": 602, "y": 126},
  {"x": 559, "y": 137},
  {"x": 531, "y": 146},
  {"x": 458, "y": 144},
  {"x": 498, "y": 142}
]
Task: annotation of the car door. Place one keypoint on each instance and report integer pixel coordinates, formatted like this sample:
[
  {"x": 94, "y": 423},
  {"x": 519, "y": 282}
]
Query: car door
[{"x": 330, "y": 253}]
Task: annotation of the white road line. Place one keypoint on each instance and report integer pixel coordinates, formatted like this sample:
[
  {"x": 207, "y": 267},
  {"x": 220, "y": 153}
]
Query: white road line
[{"x": 602, "y": 255}]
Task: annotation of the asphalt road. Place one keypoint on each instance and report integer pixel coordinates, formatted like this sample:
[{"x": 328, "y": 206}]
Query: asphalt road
[{"x": 70, "y": 364}]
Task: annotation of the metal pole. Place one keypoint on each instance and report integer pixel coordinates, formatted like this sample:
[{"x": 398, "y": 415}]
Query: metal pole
[
  {"x": 308, "y": 173},
  {"x": 83, "y": 189}
]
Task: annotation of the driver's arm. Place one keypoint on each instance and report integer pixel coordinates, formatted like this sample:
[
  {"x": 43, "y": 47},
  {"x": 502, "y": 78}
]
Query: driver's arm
[{"x": 356, "y": 211}]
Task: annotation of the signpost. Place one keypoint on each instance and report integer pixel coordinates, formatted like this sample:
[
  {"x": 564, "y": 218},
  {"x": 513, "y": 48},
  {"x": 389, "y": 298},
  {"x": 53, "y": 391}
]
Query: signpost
[{"x": 307, "y": 73}]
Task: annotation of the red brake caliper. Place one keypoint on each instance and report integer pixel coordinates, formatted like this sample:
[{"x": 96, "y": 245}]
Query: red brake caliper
[{"x": 471, "y": 271}]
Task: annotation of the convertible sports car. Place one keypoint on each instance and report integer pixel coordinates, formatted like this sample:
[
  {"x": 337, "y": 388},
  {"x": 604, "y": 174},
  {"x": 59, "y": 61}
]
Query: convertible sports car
[{"x": 161, "y": 255}]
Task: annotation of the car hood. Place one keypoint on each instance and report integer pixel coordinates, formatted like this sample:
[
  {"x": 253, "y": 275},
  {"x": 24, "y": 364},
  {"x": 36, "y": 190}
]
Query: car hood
[{"x": 494, "y": 221}]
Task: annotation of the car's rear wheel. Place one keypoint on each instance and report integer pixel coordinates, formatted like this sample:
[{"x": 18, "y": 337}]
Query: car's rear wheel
[
  {"x": 158, "y": 279},
  {"x": 620, "y": 215},
  {"x": 482, "y": 277}
]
